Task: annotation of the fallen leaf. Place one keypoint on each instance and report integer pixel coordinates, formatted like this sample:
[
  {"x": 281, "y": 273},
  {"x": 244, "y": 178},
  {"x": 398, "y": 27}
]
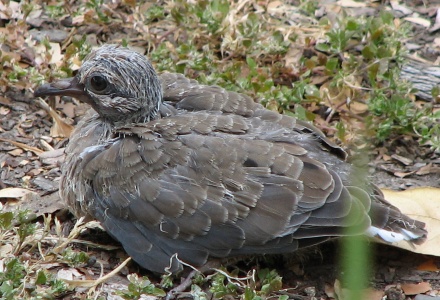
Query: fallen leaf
[
  {"x": 23, "y": 146},
  {"x": 358, "y": 107},
  {"x": 91, "y": 283},
  {"x": 403, "y": 174},
  {"x": 38, "y": 205},
  {"x": 386, "y": 157},
  {"x": 78, "y": 20},
  {"x": 6, "y": 250},
  {"x": 429, "y": 265},
  {"x": 15, "y": 152},
  {"x": 10, "y": 11},
  {"x": 46, "y": 145},
  {"x": 69, "y": 109},
  {"x": 422, "y": 204},
  {"x": 273, "y": 6},
  {"x": 56, "y": 57},
  {"x": 14, "y": 192},
  {"x": 59, "y": 127},
  {"x": 69, "y": 274},
  {"x": 351, "y": 3},
  {"x": 428, "y": 169},
  {"x": 404, "y": 160},
  {"x": 419, "y": 21},
  {"x": 416, "y": 288},
  {"x": 329, "y": 291}
]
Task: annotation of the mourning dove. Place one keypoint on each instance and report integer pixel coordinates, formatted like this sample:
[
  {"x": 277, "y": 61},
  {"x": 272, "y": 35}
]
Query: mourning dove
[{"x": 177, "y": 171}]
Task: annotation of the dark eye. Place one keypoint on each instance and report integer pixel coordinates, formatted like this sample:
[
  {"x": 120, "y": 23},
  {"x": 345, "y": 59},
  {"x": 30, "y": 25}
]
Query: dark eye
[{"x": 98, "y": 84}]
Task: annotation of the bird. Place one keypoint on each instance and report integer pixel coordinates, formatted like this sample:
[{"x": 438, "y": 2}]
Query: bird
[{"x": 180, "y": 172}]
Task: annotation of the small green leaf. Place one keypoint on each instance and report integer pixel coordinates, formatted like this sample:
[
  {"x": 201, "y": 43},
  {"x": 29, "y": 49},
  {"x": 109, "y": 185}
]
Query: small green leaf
[
  {"x": 6, "y": 220},
  {"x": 251, "y": 63},
  {"x": 41, "y": 277},
  {"x": 332, "y": 64},
  {"x": 369, "y": 52},
  {"x": 322, "y": 47},
  {"x": 352, "y": 25}
]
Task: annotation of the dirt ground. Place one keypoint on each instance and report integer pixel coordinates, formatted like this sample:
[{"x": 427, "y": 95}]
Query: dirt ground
[{"x": 396, "y": 165}]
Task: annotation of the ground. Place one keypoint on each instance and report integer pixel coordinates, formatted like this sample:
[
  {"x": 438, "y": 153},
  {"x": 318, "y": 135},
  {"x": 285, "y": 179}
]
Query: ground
[{"x": 48, "y": 40}]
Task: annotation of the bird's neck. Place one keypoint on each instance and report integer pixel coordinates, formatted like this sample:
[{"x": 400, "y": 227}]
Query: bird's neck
[{"x": 140, "y": 117}]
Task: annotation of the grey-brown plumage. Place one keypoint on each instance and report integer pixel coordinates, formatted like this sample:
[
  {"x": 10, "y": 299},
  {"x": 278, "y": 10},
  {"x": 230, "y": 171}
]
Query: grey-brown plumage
[{"x": 170, "y": 166}]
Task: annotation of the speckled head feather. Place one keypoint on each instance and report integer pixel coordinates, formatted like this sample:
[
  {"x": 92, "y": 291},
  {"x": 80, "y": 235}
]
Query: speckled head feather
[{"x": 121, "y": 84}]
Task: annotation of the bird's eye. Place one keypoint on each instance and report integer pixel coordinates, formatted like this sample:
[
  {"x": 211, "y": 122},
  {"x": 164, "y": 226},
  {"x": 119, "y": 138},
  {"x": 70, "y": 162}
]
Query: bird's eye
[{"x": 98, "y": 84}]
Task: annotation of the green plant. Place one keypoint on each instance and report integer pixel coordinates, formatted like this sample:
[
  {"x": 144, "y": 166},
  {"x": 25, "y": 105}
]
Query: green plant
[
  {"x": 250, "y": 287},
  {"x": 74, "y": 258},
  {"x": 97, "y": 6},
  {"x": 140, "y": 286},
  {"x": 154, "y": 13}
]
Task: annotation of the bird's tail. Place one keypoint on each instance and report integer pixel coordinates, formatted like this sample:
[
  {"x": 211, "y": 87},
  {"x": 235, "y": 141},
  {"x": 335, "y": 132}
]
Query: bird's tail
[{"x": 391, "y": 225}]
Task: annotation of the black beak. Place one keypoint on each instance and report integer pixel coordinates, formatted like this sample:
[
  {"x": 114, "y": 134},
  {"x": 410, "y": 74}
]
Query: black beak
[{"x": 64, "y": 87}]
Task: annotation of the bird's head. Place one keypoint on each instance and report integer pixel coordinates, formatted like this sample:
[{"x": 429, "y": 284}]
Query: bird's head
[{"x": 120, "y": 84}]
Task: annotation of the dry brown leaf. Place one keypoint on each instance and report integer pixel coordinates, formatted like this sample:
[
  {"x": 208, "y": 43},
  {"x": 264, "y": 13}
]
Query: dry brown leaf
[
  {"x": 419, "y": 21},
  {"x": 273, "y": 6},
  {"x": 428, "y": 169},
  {"x": 403, "y": 174},
  {"x": 23, "y": 146},
  {"x": 429, "y": 265},
  {"x": 293, "y": 56},
  {"x": 318, "y": 80},
  {"x": 69, "y": 274},
  {"x": 386, "y": 157},
  {"x": 404, "y": 160},
  {"x": 422, "y": 204},
  {"x": 69, "y": 109},
  {"x": 16, "y": 152},
  {"x": 78, "y": 20},
  {"x": 59, "y": 128},
  {"x": 14, "y": 192},
  {"x": 358, "y": 107},
  {"x": 91, "y": 283},
  {"x": 39, "y": 205},
  {"x": 46, "y": 145},
  {"x": 56, "y": 57},
  {"x": 416, "y": 288},
  {"x": 351, "y": 3},
  {"x": 10, "y": 11},
  {"x": 5, "y": 250},
  {"x": 329, "y": 290}
]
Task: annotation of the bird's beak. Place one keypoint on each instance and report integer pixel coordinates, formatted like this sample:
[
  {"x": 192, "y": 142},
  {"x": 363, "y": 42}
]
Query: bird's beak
[{"x": 64, "y": 87}]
